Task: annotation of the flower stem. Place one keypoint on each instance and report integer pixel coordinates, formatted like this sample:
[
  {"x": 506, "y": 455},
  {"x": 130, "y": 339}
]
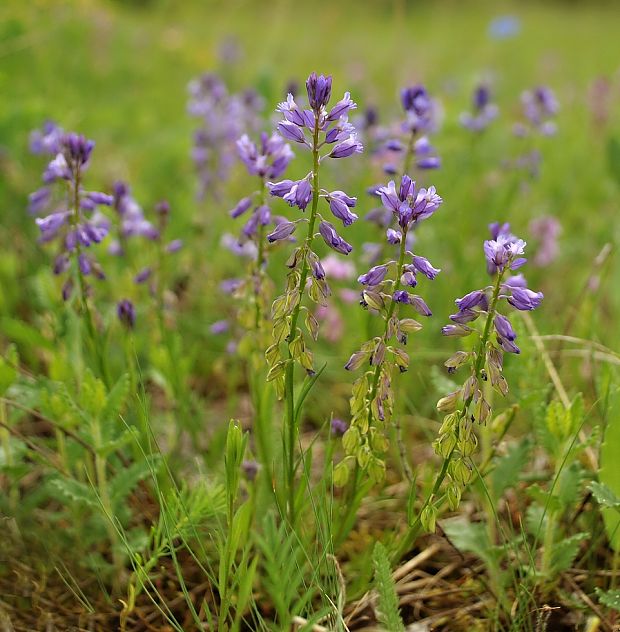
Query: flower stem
[
  {"x": 289, "y": 385},
  {"x": 413, "y": 532},
  {"x": 388, "y": 317},
  {"x": 258, "y": 272}
]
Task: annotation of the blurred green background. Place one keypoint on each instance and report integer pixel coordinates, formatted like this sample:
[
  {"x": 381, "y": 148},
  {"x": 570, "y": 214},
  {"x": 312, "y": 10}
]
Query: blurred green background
[{"x": 118, "y": 71}]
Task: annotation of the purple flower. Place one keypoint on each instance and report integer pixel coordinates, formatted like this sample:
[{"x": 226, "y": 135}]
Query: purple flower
[
  {"x": 126, "y": 313},
  {"x": 319, "y": 90},
  {"x": 338, "y": 427},
  {"x": 300, "y": 194},
  {"x": 333, "y": 239},
  {"x": 342, "y": 107},
  {"x": 339, "y": 204},
  {"x": 282, "y": 231},
  {"x": 525, "y": 299},
  {"x": 417, "y": 302},
  {"x": 374, "y": 276},
  {"x": 408, "y": 206},
  {"x": 143, "y": 275},
  {"x": 505, "y": 334},
  {"x": 504, "y": 252},
  {"x": 219, "y": 327},
  {"x": 292, "y": 132},
  {"x": 477, "y": 298},
  {"x": 250, "y": 469},
  {"x": 46, "y": 140},
  {"x": 242, "y": 206},
  {"x": 280, "y": 189},
  {"x": 133, "y": 222},
  {"x": 318, "y": 272},
  {"x": 347, "y": 148},
  {"x": 546, "y": 230},
  {"x": 483, "y": 110},
  {"x": 421, "y": 110},
  {"x": 424, "y": 266},
  {"x": 174, "y": 246},
  {"x": 223, "y": 118},
  {"x": 393, "y": 236}
]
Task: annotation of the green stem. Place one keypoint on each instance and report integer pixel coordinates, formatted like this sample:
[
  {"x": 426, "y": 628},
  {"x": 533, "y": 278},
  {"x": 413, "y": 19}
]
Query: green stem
[
  {"x": 258, "y": 272},
  {"x": 409, "y": 154},
  {"x": 104, "y": 495},
  {"x": 413, "y": 532},
  {"x": 388, "y": 317},
  {"x": 289, "y": 385}
]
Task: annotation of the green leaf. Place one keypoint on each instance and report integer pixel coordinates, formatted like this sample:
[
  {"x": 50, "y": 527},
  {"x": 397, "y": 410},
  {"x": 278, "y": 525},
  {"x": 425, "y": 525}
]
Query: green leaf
[
  {"x": 115, "y": 400},
  {"x": 75, "y": 491},
  {"x": 569, "y": 483},
  {"x": 471, "y": 537},
  {"x": 27, "y": 335},
  {"x": 387, "y": 610},
  {"x": 125, "y": 481},
  {"x": 564, "y": 552},
  {"x": 603, "y": 495},
  {"x": 508, "y": 467},
  {"x": 536, "y": 519},
  {"x": 609, "y": 598}
]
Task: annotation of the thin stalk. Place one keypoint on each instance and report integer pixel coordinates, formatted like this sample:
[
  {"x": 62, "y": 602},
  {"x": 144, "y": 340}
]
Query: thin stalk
[
  {"x": 104, "y": 495},
  {"x": 351, "y": 507},
  {"x": 409, "y": 154},
  {"x": 258, "y": 272},
  {"x": 289, "y": 385},
  {"x": 413, "y": 532}
]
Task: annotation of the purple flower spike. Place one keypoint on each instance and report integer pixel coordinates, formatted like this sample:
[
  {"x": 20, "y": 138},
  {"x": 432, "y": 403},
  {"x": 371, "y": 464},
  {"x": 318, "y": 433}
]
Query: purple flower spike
[
  {"x": 126, "y": 313},
  {"x": 524, "y": 299},
  {"x": 333, "y": 239}
]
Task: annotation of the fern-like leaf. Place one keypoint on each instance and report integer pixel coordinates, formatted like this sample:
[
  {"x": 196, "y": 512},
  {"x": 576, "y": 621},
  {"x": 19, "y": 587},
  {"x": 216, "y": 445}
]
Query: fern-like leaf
[{"x": 387, "y": 610}]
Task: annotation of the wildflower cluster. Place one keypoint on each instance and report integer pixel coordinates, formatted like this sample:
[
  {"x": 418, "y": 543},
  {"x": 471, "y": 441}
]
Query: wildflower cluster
[
  {"x": 540, "y": 107},
  {"x": 469, "y": 404},
  {"x": 131, "y": 219},
  {"x": 483, "y": 111},
  {"x": 386, "y": 290},
  {"x": 71, "y": 214},
  {"x": 154, "y": 273},
  {"x": 224, "y": 117},
  {"x": 266, "y": 160},
  {"x": 317, "y": 128},
  {"x": 409, "y": 141}
]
